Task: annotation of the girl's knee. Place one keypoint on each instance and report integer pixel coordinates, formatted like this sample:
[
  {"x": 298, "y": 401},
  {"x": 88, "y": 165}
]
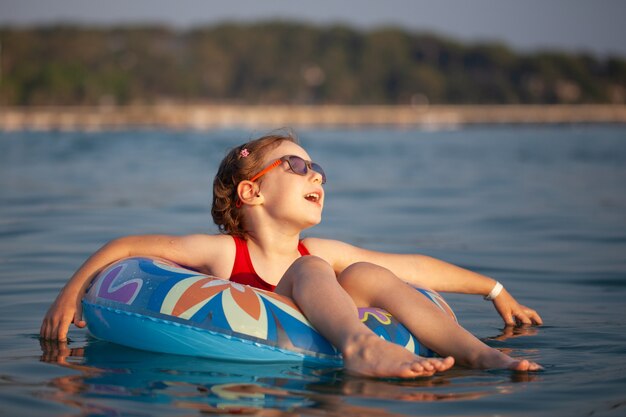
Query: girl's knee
[
  {"x": 366, "y": 282},
  {"x": 307, "y": 264},
  {"x": 363, "y": 271},
  {"x": 304, "y": 270},
  {"x": 361, "y": 267}
]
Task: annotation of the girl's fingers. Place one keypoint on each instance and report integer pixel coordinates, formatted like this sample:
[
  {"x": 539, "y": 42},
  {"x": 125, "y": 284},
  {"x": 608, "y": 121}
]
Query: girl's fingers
[
  {"x": 524, "y": 319},
  {"x": 533, "y": 316},
  {"x": 536, "y": 318},
  {"x": 43, "y": 331},
  {"x": 509, "y": 318},
  {"x": 61, "y": 331},
  {"x": 78, "y": 317}
]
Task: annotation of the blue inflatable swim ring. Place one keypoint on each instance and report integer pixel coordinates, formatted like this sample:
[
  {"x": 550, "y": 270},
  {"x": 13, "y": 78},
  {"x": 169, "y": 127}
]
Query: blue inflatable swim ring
[{"x": 156, "y": 305}]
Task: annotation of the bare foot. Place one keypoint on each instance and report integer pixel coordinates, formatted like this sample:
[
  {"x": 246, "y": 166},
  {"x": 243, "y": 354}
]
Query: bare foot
[
  {"x": 369, "y": 355},
  {"x": 524, "y": 366},
  {"x": 494, "y": 359}
]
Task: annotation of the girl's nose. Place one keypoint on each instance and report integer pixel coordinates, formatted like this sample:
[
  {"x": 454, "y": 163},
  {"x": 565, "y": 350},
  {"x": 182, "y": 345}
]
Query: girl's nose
[{"x": 317, "y": 177}]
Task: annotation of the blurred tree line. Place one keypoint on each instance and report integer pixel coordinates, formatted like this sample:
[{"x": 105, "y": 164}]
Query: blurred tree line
[{"x": 288, "y": 63}]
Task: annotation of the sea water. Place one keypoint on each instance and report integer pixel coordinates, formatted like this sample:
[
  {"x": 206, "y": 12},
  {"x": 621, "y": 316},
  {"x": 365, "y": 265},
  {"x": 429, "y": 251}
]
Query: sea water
[{"x": 542, "y": 209}]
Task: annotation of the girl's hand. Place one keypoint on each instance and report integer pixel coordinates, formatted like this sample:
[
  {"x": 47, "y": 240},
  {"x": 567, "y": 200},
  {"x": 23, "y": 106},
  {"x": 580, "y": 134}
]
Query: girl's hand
[
  {"x": 513, "y": 312},
  {"x": 65, "y": 310}
]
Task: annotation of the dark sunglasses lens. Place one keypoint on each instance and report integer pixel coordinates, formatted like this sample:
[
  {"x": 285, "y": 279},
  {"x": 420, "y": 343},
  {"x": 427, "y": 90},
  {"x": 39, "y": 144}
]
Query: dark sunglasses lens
[
  {"x": 297, "y": 165},
  {"x": 320, "y": 171}
]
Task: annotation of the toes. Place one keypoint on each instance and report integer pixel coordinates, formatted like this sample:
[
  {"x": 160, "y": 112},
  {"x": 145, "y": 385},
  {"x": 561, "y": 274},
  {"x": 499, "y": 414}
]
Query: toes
[
  {"x": 525, "y": 366},
  {"x": 442, "y": 364},
  {"x": 428, "y": 365},
  {"x": 418, "y": 369},
  {"x": 446, "y": 363},
  {"x": 431, "y": 366},
  {"x": 520, "y": 365}
]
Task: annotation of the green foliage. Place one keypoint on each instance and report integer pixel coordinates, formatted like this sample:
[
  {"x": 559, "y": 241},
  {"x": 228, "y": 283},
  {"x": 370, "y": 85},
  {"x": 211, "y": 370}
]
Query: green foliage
[{"x": 288, "y": 63}]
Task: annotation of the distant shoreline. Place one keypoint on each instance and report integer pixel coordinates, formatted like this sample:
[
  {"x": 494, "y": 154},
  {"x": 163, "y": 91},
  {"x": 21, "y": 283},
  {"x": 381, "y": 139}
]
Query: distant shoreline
[{"x": 211, "y": 117}]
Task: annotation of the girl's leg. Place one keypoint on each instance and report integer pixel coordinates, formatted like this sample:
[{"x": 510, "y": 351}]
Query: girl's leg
[
  {"x": 370, "y": 285},
  {"x": 311, "y": 282}
]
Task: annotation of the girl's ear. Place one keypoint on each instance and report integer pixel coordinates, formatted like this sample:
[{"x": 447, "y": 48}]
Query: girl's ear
[{"x": 248, "y": 192}]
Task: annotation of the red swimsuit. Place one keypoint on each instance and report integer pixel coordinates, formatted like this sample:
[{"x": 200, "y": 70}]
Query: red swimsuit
[{"x": 243, "y": 270}]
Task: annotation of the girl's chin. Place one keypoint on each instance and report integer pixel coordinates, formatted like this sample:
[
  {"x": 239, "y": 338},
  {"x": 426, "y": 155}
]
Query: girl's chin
[{"x": 314, "y": 222}]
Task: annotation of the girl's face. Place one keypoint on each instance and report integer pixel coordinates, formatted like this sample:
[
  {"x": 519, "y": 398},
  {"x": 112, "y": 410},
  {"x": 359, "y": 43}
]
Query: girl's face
[{"x": 288, "y": 196}]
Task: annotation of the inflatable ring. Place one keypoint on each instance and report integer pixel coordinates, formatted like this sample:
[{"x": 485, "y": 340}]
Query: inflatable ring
[{"x": 156, "y": 305}]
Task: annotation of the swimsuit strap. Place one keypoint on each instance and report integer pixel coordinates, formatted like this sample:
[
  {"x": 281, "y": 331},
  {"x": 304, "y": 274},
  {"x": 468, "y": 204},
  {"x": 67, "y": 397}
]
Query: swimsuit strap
[
  {"x": 302, "y": 249},
  {"x": 243, "y": 262},
  {"x": 243, "y": 271}
]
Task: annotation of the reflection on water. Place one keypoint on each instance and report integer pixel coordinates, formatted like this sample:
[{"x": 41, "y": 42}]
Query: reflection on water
[{"x": 110, "y": 372}]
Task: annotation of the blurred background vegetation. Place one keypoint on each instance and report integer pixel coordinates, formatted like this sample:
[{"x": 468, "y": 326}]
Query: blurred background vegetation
[{"x": 288, "y": 63}]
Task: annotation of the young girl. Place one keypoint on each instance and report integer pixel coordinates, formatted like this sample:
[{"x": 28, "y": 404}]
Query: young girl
[{"x": 266, "y": 192}]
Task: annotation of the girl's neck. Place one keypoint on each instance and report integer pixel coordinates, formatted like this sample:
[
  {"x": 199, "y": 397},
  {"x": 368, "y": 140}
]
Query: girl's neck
[
  {"x": 272, "y": 254},
  {"x": 272, "y": 243}
]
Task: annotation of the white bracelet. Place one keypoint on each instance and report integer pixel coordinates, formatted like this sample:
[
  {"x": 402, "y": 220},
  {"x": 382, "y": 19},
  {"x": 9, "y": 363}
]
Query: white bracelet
[{"x": 495, "y": 291}]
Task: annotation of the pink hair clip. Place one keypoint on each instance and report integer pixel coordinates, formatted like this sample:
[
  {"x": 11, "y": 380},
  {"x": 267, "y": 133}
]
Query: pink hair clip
[{"x": 244, "y": 153}]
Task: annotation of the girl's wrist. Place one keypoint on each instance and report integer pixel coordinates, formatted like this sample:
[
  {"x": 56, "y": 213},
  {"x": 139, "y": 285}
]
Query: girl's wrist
[
  {"x": 70, "y": 291},
  {"x": 495, "y": 291}
]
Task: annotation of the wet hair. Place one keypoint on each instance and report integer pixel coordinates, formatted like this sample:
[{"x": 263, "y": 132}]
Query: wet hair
[{"x": 240, "y": 163}]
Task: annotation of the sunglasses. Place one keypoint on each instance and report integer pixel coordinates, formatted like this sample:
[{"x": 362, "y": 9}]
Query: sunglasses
[{"x": 296, "y": 164}]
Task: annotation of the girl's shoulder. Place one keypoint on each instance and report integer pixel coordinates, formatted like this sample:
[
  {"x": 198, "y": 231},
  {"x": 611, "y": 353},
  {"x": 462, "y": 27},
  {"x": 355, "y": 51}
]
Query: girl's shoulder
[
  {"x": 340, "y": 254},
  {"x": 205, "y": 242},
  {"x": 213, "y": 254},
  {"x": 321, "y": 243},
  {"x": 332, "y": 251},
  {"x": 316, "y": 244}
]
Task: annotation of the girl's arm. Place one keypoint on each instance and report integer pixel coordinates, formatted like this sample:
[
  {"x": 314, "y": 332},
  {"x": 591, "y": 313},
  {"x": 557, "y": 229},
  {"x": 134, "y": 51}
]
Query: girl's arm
[
  {"x": 194, "y": 251},
  {"x": 425, "y": 271}
]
